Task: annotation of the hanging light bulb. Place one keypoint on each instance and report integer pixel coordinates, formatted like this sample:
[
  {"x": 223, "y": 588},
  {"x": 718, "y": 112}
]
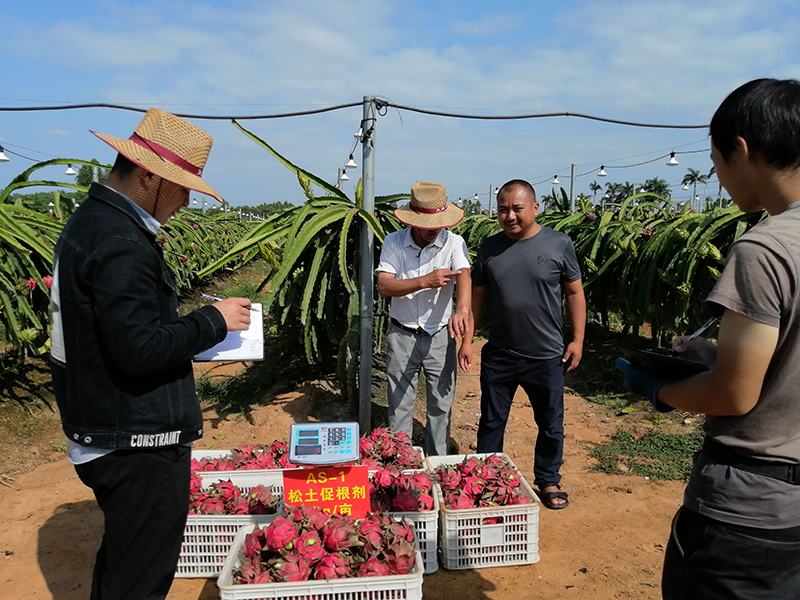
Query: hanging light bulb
[
  {"x": 672, "y": 162},
  {"x": 359, "y": 134},
  {"x": 350, "y": 164},
  {"x": 685, "y": 186},
  {"x": 555, "y": 180},
  {"x": 602, "y": 172},
  {"x": 344, "y": 176},
  {"x": 3, "y": 157},
  {"x": 70, "y": 170},
  {"x": 475, "y": 197}
]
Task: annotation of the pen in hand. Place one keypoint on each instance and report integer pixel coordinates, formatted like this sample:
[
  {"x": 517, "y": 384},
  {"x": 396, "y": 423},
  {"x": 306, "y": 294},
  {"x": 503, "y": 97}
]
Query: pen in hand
[
  {"x": 702, "y": 328},
  {"x": 218, "y": 299}
]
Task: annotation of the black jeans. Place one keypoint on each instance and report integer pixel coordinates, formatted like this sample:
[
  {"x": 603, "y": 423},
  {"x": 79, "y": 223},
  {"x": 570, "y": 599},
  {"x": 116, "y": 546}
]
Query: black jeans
[
  {"x": 144, "y": 496},
  {"x": 707, "y": 559},
  {"x": 543, "y": 382}
]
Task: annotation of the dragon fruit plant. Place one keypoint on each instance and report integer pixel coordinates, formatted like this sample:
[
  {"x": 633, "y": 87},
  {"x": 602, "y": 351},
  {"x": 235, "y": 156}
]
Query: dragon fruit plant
[
  {"x": 312, "y": 544},
  {"x": 391, "y": 490},
  {"x": 224, "y": 498},
  {"x": 382, "y": 448},
  {"x": 480, "y": 483}
]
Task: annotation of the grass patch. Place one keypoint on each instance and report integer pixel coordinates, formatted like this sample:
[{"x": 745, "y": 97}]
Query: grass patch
[
  {"x": 655, "y": 455},
  {"x": 231, "y": 394}
]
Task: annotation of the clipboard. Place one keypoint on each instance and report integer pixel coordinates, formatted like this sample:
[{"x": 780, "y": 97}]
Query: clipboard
[
  {"x": 663, "y": 366},
  {"x": 240, "y": 345}
]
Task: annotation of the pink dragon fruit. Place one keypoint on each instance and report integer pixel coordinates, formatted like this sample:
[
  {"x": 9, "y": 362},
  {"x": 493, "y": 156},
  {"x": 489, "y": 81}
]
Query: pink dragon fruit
[
  {"x": 371, "y": 532},
  {"x": 309, "y": 546},
  {"x": 291, "y": 568},
  {"x": 383, "y": 478},
  {"x": 262, "y": 501},
  {"x": 210, "y": 506},
  {"x": 449, "y": 478},
  {"x": 372, "y": 567},
  {"x": 239, "y": 506},
  {"x": 425, "y": 502},
  {"x": 405, "y": 501},
  {"x": 400, "y": 557},
  {"x": 340, "y": 534},
  {"x": 253, "y": 543},
  {"x": 281, "y": 535},
  {"x": 332, "y": 566}
]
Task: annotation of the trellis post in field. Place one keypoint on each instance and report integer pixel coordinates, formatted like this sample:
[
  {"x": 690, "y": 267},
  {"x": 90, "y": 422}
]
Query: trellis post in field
[{"x": 367, "y": 264}]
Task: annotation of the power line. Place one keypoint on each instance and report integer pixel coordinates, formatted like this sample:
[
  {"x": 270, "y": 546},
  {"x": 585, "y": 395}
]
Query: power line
[
  {"x": 537, "y": 116},
  {"x": 182, "y": 115},
  {"x": 379, "y": 104}
]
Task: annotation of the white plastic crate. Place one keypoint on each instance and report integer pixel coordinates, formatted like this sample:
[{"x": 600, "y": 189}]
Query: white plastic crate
[
  {"x": 208, "y": 538},
  {"x": 200, "y": 454},
  {"x": 468, "y": 541},
  {"x": 425, "y": 524},
  {"x": 394, "y": 587}
]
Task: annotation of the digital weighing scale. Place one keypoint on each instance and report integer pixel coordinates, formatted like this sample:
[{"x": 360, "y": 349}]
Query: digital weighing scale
[{"x": 323, "y": 443}]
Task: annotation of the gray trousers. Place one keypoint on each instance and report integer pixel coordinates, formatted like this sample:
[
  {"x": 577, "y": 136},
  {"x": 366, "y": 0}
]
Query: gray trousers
[{"x": 407, "y": 352}]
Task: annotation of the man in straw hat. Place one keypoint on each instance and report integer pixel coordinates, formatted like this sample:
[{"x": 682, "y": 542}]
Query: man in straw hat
[
  {"x": 527, "y": 268},
  {"x": 419, "y": 267},
  {"x": 122, "y": 357}
]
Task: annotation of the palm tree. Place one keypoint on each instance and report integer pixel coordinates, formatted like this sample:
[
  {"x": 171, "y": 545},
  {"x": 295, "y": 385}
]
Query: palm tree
[
  {"x": 659, "y": 187},
  {"x": 693, "y": 177},
  {"x": 595, "y": 187}
]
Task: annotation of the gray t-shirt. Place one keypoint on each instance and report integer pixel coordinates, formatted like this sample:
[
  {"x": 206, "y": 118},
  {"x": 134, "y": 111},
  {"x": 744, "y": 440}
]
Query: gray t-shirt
[
  {"x": 524, "y": 279},
  {"x": 760, "y": 281}
]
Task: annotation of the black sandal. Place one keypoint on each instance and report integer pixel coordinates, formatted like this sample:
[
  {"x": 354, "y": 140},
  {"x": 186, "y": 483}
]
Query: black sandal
[{"x": 548, "y": 497}]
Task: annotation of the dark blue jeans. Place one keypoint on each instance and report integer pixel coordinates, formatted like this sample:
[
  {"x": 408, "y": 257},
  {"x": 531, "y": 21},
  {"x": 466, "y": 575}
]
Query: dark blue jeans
[
  {"x": 144, "y": 496},
  {"x": 707, "y": 559},
  {"x": 543, "y": 382}
]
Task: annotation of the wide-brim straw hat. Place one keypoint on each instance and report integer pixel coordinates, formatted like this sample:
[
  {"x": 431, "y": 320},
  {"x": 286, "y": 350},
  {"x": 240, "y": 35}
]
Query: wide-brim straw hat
[
  {"x": 169, "y": 147},
  {"x": 429, "y": 208}
]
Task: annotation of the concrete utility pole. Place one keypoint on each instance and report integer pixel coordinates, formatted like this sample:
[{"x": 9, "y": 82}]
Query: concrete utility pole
[
  {"x": 572, "y": 187},
  {"x": 367, "y": 264}
]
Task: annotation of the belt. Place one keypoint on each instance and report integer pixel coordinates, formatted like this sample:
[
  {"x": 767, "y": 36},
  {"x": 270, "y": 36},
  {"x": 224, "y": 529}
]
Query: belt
[
  {"x": 780, "y": 471},
  {"x": 416, "y": 330}
]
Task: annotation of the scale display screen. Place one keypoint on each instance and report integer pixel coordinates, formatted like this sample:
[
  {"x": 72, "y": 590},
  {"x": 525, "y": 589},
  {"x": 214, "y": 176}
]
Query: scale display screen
[{"x": 323, "y": 443}]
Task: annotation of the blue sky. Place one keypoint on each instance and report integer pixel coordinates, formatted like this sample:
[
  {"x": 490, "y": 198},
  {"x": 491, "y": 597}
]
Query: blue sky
[{"x": 657, "y": 61}]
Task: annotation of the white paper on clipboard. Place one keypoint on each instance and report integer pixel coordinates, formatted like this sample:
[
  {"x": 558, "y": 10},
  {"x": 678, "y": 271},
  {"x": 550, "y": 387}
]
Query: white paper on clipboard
[{"x": 240, "y": 345}]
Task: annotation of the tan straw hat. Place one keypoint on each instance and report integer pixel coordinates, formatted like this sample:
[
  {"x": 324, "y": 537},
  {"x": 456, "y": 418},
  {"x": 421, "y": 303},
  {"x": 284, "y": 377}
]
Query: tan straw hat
[
  {"x": 429, "y": 208},
  {"x": 169, "y": 147}
]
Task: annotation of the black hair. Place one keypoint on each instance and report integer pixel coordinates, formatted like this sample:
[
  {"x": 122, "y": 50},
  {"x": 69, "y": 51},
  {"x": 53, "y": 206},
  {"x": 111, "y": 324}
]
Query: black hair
[
  {"x": 517, "y": 183},
  {"x": 124, "y": 167},
  {"x": 766, "y": 113}
]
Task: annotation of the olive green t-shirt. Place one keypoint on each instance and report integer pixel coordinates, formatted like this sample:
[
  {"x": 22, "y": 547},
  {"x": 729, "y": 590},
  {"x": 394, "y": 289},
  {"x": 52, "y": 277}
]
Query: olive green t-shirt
[{"x": 760, "y": 281}]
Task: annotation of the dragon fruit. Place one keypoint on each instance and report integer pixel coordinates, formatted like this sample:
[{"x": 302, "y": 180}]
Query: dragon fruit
[
  {"x": 291, "y": 568},
  {"x": 400, "y": 556},
  {"x": 374, "y": 546},
  {"x": 372, "y": 567},
  {"x": 309, "y": 546},
  {"x": 331, "y": 566},
  {"x": 281, "y": 535},
  {"x": 479, "y": 483},
  {"x": 340, "y": 534}
]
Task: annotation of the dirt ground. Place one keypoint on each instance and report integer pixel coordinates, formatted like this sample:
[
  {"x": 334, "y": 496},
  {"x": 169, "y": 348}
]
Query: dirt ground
[{"x": 609, "y": 543}]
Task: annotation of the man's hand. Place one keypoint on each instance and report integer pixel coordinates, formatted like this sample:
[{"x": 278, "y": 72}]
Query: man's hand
[
  {"x": 572, "y": 355},
  {"x": 236, "y": 312},
  {"x": 465, "y": 356},
  {"x": 458, "y": 323},
  {"x": 438, "y": 278},
  {"x": 641, "y": 383},
  {"x": 698, "y": 349}
]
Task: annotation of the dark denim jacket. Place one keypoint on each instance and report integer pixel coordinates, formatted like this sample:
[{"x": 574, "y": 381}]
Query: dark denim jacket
[{"x": 126, "y": 378}]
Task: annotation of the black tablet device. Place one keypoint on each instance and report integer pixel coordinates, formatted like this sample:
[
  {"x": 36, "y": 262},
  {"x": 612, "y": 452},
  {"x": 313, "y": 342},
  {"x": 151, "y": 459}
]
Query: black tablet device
[{"x": 663, "y": 366}]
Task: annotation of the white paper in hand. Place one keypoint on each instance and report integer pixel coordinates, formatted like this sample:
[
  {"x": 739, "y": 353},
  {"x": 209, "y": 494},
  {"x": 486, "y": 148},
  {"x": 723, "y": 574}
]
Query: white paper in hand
[{"x": 240, "y": 345}]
